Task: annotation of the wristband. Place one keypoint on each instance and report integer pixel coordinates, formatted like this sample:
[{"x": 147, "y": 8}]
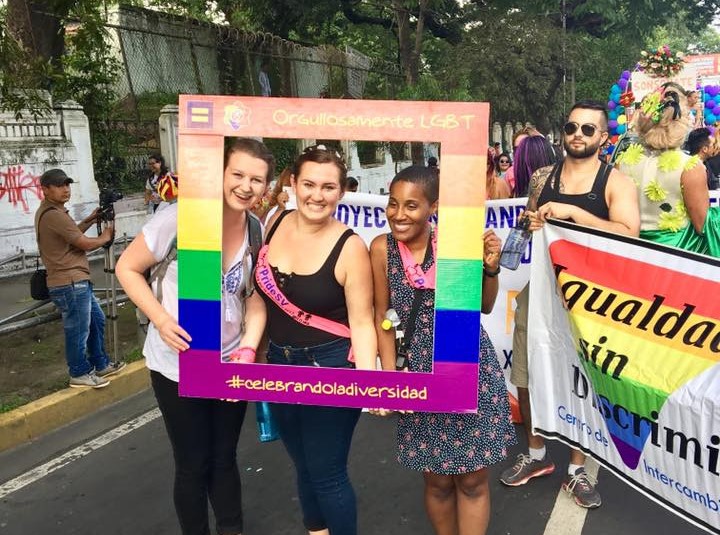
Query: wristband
[
  {"x": 489, "y": 273},
  {"x": 243, "y": 354}
]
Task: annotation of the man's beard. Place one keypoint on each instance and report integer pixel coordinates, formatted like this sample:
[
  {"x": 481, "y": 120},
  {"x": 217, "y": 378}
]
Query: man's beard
[{"x": 580, "y": 154}]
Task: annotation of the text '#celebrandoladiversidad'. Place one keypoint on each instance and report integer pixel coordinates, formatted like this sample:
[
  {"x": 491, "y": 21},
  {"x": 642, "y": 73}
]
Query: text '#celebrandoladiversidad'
[
  {"x": 449, "y": 121},
  {"x": 327, "y": 388}
]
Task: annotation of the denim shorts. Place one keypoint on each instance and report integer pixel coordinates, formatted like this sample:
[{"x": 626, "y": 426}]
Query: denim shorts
[{"x": 328, "y": 355}]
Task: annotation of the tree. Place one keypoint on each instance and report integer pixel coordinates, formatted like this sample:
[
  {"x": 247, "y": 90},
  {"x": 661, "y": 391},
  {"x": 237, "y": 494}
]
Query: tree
[
  {"x": 21, "y": 71},
  {"x": 602, "y": 18},
  {"x": 680, "y": 37},
  {"x": 37, "y": 26}
]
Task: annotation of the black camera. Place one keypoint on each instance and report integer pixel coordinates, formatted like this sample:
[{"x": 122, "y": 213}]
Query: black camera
[
  {"x": 401, "y": 359},
  {"x": 107, "y": 198}
]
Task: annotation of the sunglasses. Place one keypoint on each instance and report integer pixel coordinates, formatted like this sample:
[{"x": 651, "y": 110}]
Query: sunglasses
[
  {"x": 503, "y": 161},
  {"x": 587, "y": 129}
]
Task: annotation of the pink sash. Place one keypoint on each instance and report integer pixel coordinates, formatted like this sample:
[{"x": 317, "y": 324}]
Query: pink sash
[
  {"x": 265, "y": 278},
  {"x": 413, "y": 271}
]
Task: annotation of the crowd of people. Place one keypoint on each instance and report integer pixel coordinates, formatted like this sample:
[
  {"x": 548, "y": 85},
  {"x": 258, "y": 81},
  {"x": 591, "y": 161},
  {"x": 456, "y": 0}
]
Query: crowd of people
[{"x": 324, "y": 271}]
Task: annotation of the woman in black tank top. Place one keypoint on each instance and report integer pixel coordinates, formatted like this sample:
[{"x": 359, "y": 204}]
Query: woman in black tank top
[{"x": 323, "y": 269}]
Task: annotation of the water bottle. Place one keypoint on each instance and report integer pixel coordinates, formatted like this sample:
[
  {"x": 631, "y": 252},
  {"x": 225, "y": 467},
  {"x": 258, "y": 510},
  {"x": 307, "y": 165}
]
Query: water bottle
[
  {"x": 267, "y": 430},
  {"x": 516, "y": 244}
]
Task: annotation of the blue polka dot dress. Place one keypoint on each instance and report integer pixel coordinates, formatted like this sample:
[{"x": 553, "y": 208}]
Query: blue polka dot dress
[{"x": 448, "y": 443}]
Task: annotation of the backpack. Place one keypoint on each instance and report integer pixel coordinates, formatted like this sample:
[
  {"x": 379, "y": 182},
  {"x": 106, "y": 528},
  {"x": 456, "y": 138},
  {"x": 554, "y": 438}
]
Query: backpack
[{"x": 256, "y": 242}]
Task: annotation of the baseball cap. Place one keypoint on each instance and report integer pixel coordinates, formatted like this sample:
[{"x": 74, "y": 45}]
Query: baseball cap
[{"x": 55, "y": 177}]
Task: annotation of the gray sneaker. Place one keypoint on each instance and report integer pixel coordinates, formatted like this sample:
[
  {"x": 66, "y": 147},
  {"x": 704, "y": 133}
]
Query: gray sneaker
[
  {"x": 111, "y": 369},
  {"x": 582, "y": 489},
  {"x": 88, "y": 380},
  {"x": 526, "y": 468}
]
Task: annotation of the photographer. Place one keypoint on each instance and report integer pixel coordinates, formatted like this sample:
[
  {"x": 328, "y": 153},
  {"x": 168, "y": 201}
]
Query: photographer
[{"x": 63, "y": 245}]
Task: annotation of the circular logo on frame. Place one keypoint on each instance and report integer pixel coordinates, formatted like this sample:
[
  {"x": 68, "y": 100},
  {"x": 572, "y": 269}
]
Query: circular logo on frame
[{"x": 237, "y": 115}]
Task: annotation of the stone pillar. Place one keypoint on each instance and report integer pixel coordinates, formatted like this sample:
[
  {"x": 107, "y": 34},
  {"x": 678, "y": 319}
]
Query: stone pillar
[
  {"x": 352, "y": 159},
  {"x": 169, "y": 135},
  {"x": 507, "y": 138},
  {"x": 76, "y": 130},
  {"x": 497, "y": 133}
]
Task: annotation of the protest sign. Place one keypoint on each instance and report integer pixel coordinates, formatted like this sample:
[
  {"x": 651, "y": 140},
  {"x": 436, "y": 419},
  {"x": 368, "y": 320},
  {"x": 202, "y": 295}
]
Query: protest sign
[
  {"x": 643, "y": 84},
  {"x": 624, "y": 360}
]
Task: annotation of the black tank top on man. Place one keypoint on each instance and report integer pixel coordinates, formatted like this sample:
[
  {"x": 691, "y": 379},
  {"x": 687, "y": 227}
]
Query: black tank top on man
[
  {"x": 319, "y": 293},
  {"x": 593, "y": 201}
]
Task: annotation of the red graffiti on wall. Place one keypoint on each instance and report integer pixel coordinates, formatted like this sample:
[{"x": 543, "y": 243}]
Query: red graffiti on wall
[{"x": 17, "y": 184}]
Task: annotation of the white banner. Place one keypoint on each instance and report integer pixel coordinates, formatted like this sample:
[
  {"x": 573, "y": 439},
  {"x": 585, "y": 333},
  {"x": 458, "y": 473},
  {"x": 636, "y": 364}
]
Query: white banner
[{"x": 626, "y": 364}]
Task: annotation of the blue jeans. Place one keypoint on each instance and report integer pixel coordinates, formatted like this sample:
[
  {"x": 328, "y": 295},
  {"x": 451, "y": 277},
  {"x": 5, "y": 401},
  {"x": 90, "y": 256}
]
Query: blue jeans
[
  {"x": 318, "y": 441},
  {"x": 84, "y": 325}
]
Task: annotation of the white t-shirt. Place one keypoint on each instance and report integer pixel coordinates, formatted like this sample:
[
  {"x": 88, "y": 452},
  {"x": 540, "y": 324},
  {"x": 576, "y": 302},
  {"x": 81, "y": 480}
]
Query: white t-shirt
[{"x": 159, "y": 234}]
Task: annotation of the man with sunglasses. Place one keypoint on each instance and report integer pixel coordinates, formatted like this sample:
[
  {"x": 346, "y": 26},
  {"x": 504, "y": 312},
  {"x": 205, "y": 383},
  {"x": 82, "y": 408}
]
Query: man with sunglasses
[{"x": 585, "y": 190}]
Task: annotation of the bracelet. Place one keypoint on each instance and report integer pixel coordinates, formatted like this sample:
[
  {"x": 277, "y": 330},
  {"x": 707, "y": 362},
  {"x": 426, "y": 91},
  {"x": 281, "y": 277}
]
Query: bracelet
[
  {"x": 491, "y": 274},
  {"x": 243, "y": 354}
]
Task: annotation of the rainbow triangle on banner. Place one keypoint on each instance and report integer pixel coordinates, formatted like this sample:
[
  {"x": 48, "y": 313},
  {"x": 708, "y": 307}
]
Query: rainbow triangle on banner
[{"x": 642, "y": 332}]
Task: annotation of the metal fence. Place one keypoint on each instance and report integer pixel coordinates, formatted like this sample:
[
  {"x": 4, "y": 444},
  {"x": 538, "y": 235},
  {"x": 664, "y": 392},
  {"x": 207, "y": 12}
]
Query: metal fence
[{"x": 164, "y": 55}]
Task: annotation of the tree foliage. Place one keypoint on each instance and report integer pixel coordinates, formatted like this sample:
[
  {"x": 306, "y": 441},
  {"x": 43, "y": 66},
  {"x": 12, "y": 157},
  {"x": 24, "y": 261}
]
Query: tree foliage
[
  {"x": 20, "y": 70},
  {"x": 679, "y": 35},
  {"x": 603, "y": 18},
  {"x": 521, "y": 55}
]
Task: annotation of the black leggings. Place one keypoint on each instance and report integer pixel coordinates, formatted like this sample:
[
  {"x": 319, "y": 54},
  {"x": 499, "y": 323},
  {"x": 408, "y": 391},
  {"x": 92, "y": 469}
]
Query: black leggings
[{"x": 204, "y": 435}]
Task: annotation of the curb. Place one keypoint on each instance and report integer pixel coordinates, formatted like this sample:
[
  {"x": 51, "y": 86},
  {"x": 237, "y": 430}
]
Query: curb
[{"x": 38, "y": 417}]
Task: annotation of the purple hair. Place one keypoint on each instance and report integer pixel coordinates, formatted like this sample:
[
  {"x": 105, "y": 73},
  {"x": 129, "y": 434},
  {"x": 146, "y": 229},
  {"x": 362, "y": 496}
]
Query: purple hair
[{"x": 533, "y": 153}]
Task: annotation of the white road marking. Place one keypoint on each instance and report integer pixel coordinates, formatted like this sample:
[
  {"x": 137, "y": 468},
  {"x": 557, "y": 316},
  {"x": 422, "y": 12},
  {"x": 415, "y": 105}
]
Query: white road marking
[
  {"x": 81, "y": 451},
  {"x": 568, "y": 518}
]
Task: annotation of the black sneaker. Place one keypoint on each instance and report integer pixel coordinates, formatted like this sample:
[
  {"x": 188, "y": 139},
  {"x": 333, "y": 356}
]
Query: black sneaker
[
  {"x": 582, "y": 489},
  {"x": 526, "y": 468}
]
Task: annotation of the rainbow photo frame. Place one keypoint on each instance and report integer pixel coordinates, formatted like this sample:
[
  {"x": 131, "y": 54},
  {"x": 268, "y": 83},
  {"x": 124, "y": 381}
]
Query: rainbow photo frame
[{"x": 460, "y": 127}]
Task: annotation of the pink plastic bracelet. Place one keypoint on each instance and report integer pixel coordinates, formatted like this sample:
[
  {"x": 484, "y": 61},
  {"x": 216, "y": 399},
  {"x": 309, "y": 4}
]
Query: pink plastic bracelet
[{"x": 244, "y": 354}]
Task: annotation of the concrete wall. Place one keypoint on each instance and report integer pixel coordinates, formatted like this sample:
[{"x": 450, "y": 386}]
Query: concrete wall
[{"x": 30, "y": 147}]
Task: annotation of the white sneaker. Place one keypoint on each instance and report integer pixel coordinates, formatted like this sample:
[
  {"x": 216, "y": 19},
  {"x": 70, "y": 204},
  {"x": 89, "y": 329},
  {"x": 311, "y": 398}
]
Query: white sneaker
[{"x": 88, "y": 380}]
